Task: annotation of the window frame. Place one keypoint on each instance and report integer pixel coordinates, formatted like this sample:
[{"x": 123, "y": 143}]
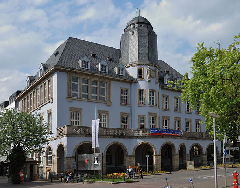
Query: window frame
[
  {"x": 141, "y": 103},
  {"x": 102, "y": 113},
  {"x": 124, "y": 96},
  {"x": 198, "y": 125},
  {"x": 77, "y": 84},
  {"x": 177, "y": 106},
  {"x": 189, "y": 121},
  {"x": 152, "y": 99},
  {"x": 165, "y": 102},
  {"x": 188, "y": 108},
  {"x": 165, "y": 119},
  {"x": 140, "y": 77},
  {"x": 126, "y": 124},
  {"x": 49, "y": 156},
  {"x": 141, "y": 125},
  {"x": 177, "y": 119},
  {"x": 74, "y": 110},
  {"x": 151, "y": 117}
]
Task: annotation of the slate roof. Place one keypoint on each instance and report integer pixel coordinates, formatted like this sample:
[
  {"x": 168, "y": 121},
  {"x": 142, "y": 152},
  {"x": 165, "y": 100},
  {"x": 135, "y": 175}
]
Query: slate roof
[{"x": 72, "y": 50}]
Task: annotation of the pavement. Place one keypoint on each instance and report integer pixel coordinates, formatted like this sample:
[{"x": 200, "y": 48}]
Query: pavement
[{"x": 176, "y": 179}]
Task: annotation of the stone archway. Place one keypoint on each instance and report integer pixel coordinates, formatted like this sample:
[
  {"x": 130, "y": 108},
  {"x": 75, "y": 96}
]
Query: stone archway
[
  {"x": 114, "y": 158},
  {"x": 210, "y": 154},
  {"x": 196, "y": 154},
  {"x": 83, "y": 148},
  {"x": 60, "y": 158},
  {"x": 142, "y": 150},
  {"x": 182, "y": 156},
  {"x": 168, "y": 157}
]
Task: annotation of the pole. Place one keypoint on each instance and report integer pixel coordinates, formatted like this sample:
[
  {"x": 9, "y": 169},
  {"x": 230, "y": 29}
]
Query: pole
[
  {"x": 224, "y": 158},
  {"x": 95, "y": 128},
  {"x": 147, "y": 164},
  {"x": 215, "y": 154}
]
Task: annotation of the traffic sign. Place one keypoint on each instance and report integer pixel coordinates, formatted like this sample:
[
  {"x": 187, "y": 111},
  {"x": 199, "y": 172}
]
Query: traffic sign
[
  {"x": 232, "y": 148},
  {"x": 224, "y": 152}
]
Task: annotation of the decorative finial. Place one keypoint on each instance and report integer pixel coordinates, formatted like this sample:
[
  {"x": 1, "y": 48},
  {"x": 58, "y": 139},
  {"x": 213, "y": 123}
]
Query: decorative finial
[{"x": 137, "y": 12}]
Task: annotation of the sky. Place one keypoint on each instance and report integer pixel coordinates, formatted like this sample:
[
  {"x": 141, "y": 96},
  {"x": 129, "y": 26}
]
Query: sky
[{"x": 30, "y": 30}]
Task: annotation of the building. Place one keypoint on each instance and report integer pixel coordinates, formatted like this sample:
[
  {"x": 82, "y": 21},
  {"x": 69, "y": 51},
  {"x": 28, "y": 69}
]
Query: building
[{"x": 128, "y": 88}]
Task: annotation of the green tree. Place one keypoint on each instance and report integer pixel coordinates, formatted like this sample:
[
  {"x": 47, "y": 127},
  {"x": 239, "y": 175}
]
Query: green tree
[
  {"x": 20, "y": 132},
  {"x": 215, "y": 85}
]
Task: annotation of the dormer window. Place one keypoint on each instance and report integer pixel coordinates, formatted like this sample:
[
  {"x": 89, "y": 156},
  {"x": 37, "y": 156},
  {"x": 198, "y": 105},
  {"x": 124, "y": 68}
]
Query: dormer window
[
  {"x": 166, "y": 78},
  {"x": 41, "y": 70},
  {"x": 84, "y": 63},
  {"x": 120, "y": 70},
  {"x": 103, "y": 67}
]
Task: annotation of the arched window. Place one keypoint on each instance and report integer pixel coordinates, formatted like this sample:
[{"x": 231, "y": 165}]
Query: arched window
[{"x": 49, "y": 156}]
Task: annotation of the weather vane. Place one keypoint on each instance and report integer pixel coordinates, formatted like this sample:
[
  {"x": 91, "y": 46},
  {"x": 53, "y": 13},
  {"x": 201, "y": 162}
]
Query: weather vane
[{"x": 138, "y": 12}]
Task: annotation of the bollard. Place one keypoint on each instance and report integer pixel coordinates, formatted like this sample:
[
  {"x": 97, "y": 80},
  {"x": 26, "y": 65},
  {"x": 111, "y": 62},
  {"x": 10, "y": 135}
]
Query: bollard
[
  {"x": 192, "y": 183},
  {"x": 235, "y": 175}
]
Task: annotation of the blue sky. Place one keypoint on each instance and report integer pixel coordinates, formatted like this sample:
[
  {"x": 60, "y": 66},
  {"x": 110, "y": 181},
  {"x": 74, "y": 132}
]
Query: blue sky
[{"x": 30, "y": 30}]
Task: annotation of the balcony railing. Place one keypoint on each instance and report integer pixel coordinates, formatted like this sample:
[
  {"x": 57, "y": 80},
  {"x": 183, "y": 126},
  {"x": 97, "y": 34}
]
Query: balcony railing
[{"x": 82, "y": 131}]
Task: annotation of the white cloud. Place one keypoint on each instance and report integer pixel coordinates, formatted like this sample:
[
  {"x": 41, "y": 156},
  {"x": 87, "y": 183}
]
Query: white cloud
[{"x": 10, "y": 84}]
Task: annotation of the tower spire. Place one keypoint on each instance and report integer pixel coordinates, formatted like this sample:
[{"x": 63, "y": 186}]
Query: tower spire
[{"x": 137, "y": 12}]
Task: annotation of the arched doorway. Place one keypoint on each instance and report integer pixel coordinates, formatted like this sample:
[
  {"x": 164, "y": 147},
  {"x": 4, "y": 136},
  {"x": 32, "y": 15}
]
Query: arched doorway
[
  {"x": 166, "y": 157},
  {"x": 60, "y": 159},
  {"x": 210, "y": 154},
  {"x": 84, "y": 148},
  {"x": 196, "y": 153},
  {"x": 182, "y": 156},
  {"x": 115, "y": 158},
  {"x": 141, "y": 152}
]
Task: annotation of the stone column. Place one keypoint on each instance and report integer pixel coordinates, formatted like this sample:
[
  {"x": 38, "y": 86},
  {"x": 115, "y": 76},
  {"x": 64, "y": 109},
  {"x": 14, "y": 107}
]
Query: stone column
[
  {"x": 68, "y": 163},
  {"x": 130, "y": 160},
  {"x": 157, "y": 162},
  {"x": 175, "y": 162},
  {"x": 204, "y": 159},
  {"x": 187, "y": 157}
]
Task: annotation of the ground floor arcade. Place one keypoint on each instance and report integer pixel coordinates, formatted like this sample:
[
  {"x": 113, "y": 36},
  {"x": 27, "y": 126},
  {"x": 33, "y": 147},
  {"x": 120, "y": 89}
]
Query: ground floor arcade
[{"x": 117, "y": 155}]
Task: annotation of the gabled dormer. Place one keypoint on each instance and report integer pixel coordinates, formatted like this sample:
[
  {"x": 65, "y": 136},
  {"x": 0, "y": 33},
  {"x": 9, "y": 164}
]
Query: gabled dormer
[
  {"x": 29, "y": 80},
  {"x": 103, "y": 67},
  {"x": 120, "y": 70},
  {"x": 84, "y": 63}
]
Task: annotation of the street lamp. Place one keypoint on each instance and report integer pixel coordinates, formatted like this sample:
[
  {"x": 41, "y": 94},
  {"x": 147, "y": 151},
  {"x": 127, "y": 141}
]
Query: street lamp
[{"x": 213, "y": 115}]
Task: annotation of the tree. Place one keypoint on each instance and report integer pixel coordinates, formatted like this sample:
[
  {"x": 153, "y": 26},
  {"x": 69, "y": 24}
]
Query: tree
[
  {"x": 215, "y": 85},
  {"x": 20, "y": 132}
]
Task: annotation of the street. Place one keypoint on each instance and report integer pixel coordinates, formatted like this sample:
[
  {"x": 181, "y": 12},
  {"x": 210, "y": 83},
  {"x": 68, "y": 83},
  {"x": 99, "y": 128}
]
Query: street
[{"x": 177, "y": 179}]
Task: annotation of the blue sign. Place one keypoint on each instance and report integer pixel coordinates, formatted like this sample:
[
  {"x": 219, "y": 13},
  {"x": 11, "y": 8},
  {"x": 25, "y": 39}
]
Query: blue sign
[{"x": 224, "y": 152}]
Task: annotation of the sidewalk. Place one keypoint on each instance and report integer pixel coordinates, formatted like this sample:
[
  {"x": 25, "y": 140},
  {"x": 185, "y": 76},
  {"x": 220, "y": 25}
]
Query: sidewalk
[{"x": 177, "y": 179}]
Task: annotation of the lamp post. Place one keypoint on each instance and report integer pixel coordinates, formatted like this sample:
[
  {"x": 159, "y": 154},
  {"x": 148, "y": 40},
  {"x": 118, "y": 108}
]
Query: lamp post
[{"x": 213, "y": 115}]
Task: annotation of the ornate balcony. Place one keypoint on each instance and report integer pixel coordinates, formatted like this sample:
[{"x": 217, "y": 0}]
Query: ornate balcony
[{"x": 82, "y": 131}]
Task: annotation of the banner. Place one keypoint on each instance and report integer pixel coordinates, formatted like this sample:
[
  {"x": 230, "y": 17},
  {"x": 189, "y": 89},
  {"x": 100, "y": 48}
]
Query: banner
[{"x": 95, "y": 130}]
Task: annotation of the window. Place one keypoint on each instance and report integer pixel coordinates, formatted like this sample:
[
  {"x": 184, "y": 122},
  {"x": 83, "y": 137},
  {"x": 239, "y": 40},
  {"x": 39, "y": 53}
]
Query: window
[
  {"x": 124, "y": 97},
  {"x": 34, "y": 99},
  {"x": 94, "y": 90},
  {"x": 74, "y": 87},
  {"x": 177, "y": 123},
  {"x": 38, "y": 97},
  {"x": 188, "y": 125},
  {"x": 176, "y": 104},
  {"x": 187, "y": 107},
  {"x": 75, "y": 116},
  {"x": 31, "y": 107},
  {"x": 103, "y": 116},
  {"x": 84, "y": 64},
  {"x": 49, "y": 89},
  {"x": 165, "y": 122},
  {"x": 49, "y": 120},
  {"x": 141, "y": 121},
  {"x": 84, "y": 88},
  {"x": 103, "y": 68},
  {"x": 120, "y": 71},
  {"x": 152, "y": 97},
  {"x": 141, "y": 97},
  {"x": 103, "y": 91},
  {"x": 41, "y": 93},
  {"x": 49, "y": 157},
  {"x": 45, "y": 92},
  {"x": 152, "y": 120},
  {"x": 165, "y": 104},
  {"x": 124, "y": 120},
  {"x": 140, "y": 73},
  {"x": 198, "y": 108},
  {"x": 198, "y": 126}
]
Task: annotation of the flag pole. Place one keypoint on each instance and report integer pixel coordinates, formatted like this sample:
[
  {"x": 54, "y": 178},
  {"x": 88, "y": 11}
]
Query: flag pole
[{"x": 95, "y": 128}]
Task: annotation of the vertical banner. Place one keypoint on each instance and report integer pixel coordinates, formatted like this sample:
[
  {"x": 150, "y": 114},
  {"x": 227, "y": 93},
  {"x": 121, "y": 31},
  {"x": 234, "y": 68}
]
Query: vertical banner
[
  {"x": 95, "y": 130},
  {"x": 93, "y": 134}
]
